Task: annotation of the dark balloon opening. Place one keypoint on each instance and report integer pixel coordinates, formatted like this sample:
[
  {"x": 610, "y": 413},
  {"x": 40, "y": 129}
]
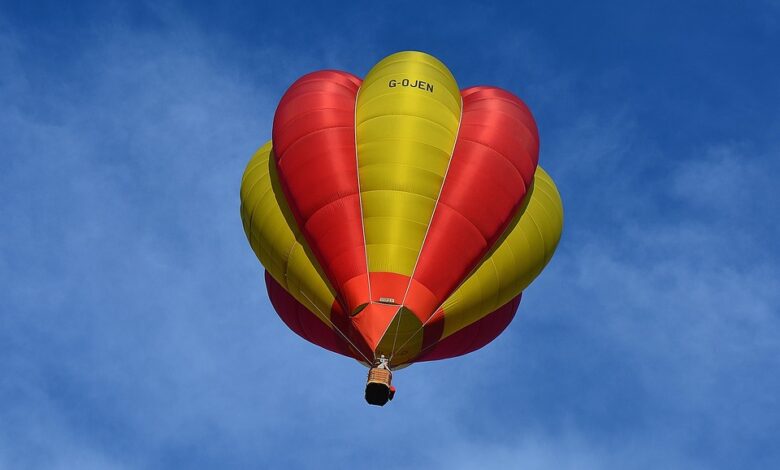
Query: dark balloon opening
[{"x": 359, "y": 309}]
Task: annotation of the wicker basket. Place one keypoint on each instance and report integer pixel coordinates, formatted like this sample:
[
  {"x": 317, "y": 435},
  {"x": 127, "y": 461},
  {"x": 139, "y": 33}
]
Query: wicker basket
[{"x": 380, "y": 376}]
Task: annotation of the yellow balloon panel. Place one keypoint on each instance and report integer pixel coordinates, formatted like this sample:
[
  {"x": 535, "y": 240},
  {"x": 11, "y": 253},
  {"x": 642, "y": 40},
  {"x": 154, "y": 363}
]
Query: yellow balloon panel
[
  {"x": 275, "y": 238},
  {"x": 407, "y": 117},
  {"x": 525, "y": 248}
]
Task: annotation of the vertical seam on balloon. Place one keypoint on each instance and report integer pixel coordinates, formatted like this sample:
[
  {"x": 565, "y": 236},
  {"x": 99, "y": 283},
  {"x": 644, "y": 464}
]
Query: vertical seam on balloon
[
  {"x": 287, "y": 262},
  {"x": 425, "y": 237},
  {"x": 360, "y": 195}
]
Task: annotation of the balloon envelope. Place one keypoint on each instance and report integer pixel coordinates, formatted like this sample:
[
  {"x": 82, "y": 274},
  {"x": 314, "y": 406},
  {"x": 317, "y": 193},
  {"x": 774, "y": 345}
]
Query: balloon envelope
[{"x": 399, "y": 215}]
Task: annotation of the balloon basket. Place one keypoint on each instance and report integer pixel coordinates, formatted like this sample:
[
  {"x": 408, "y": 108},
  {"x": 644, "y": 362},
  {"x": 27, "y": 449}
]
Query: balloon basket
[{"x": 378, "y": 388}]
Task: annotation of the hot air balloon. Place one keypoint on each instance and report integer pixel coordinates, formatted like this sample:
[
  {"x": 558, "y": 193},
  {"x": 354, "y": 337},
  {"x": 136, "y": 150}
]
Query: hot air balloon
[{"x": 399, "y": 218}]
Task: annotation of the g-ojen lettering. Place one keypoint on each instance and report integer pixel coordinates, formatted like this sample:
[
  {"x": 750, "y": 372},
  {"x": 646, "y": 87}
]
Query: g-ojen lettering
[{"x": 421, "y": 84}]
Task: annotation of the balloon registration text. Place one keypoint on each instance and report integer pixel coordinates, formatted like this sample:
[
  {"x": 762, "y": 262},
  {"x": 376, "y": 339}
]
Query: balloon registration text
[{"x": 422, "y": 85}]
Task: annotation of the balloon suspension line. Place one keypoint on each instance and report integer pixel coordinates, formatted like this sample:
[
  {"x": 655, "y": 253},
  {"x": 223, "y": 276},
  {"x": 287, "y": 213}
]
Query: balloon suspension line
[
  {"x": 425, "y": 237},
  {"x": 436, "y": 310},
  {"x": 397, "y": 319},
  {"x": 418, "y": 330},
  {"x": 431, "y": 317},
  {"x": 333, "y": 325}
]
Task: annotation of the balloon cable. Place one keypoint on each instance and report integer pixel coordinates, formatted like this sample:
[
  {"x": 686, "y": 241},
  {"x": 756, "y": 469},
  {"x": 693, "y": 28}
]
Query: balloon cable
[{"x": 333, "y": 325}]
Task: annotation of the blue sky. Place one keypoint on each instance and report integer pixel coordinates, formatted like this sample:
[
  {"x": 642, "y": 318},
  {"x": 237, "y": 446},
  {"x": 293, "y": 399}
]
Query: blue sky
[{"x": 135, "y": 331}]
